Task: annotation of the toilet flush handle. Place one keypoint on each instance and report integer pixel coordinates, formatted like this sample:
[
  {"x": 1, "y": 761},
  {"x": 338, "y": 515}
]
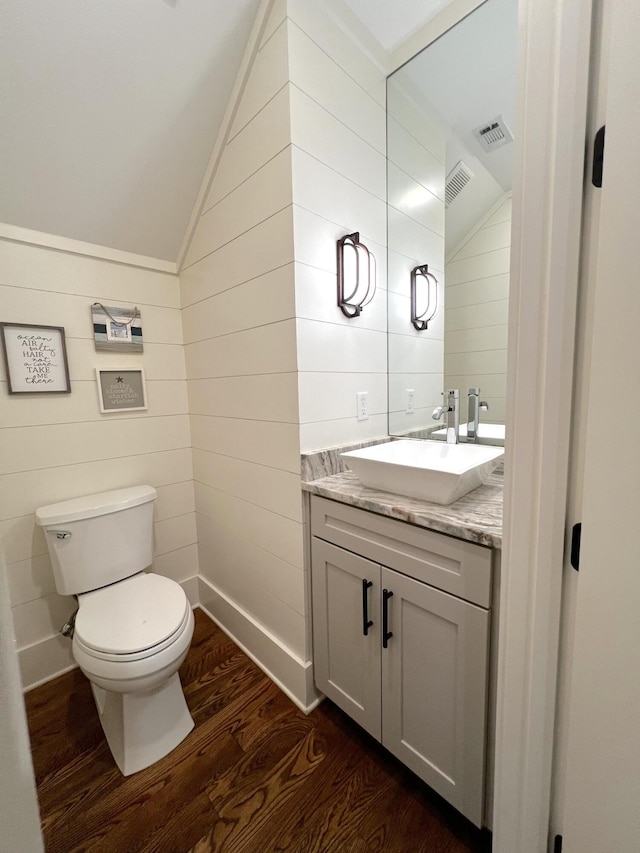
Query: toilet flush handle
[
  {"x": 62, "y": 534},
  {"x": 69, "y": 627}
]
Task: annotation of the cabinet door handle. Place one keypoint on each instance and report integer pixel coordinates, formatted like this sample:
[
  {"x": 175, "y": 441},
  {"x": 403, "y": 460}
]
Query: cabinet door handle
[
  {"x": 366, "y": 622},
  {"x": 386, "y": 634}
]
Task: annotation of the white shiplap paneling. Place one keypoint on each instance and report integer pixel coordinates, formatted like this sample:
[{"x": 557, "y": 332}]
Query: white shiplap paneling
[
  {"x": 338, "y": 131},
  {"x": 416, "y": 227},
  {"x": 55, "y": 447},
  {"x": 240, "y": 333},
  {"x": 477, "y": 302}
]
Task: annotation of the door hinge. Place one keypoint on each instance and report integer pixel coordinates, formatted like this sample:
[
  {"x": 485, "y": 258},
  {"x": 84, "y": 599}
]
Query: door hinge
[
  {"x": 576, "y": 534},
  {"x": 598, "y": 158},
  {"x": 557, "y": 844}
]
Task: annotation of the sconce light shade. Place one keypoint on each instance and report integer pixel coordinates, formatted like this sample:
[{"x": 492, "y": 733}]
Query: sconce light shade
[
  {"x": 424, "y": 297},
  {"x": 356, "y": 275}
]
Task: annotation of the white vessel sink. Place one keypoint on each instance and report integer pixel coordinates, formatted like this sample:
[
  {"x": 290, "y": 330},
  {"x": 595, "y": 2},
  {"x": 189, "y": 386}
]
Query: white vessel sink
[
  {"x": 430, "y": 470},
  {"x": 487, "y": 433}
]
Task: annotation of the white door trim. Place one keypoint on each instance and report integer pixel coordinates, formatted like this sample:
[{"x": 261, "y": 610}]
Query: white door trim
[
  {"x": 601, "y": 780},
  {"x": 547, "y": 203}
]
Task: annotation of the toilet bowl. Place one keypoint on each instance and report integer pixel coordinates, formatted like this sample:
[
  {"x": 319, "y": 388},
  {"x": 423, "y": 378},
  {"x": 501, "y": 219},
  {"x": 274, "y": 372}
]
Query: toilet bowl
[
  {"x": 130, "y": 644},
  {"x": 132, "y": 628},
  {"x": 130, "y": 635}
]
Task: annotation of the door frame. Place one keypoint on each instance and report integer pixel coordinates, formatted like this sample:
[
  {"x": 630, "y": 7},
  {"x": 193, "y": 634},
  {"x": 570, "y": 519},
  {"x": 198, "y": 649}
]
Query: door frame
[
  {"x": 600, "y": 776},
  {"x": 554, "y": 54}
]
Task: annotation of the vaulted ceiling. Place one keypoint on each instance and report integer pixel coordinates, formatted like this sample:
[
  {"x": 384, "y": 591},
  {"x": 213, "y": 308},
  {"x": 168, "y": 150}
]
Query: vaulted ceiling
[{"x": 109, "y": 109}]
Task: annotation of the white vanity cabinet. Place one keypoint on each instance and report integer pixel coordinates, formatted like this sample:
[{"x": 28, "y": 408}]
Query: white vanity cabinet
[{"x": 401, "y": 642}]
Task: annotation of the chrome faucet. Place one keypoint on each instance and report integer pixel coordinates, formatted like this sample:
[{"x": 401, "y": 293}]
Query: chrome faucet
[
  {"x": 452, "y": 411},
  {"x": 475, "y": 407}
]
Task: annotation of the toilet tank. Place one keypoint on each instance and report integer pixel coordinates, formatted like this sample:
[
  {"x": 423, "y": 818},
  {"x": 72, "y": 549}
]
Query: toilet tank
[{"x": 99, "y": 539}]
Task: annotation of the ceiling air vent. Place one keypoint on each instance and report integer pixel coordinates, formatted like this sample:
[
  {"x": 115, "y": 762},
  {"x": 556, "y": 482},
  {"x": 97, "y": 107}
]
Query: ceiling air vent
[
  {"x": 493, "y": 134},
  {"x": 457, "y": 179}
]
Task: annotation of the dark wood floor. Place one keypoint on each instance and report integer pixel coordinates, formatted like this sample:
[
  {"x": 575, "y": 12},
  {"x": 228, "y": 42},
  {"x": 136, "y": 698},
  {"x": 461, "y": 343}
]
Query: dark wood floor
[{"x": 255, "y": 775}]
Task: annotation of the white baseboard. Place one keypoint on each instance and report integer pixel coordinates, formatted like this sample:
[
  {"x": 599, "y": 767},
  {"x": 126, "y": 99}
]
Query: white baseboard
[
  {"x": 45, "y": 661},
  {"x": 52, "y": 657},
  {"x": 292, "y": 675},
  {"x": 191, "y": 589}
]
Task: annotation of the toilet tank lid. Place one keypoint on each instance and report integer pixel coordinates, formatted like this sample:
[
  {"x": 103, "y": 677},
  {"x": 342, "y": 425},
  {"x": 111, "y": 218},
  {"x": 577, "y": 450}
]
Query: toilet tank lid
[{"x": 90, "y": 506}]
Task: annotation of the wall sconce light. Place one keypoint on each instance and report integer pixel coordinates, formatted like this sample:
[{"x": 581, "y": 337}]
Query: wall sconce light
[
  {"x": 424, "y": 297},
  {"x": 356, "y": 275}
]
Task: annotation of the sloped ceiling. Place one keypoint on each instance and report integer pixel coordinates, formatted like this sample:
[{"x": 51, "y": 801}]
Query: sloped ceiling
[{"x": 109, "y": 110}]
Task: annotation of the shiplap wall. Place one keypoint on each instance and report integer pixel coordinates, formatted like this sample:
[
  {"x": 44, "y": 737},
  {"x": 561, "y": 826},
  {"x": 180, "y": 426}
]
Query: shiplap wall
[
  {"x": 240, "y": 342},
  {"x": 476, "y": 314},
  {"x": 56, "y": 447},
  {"x": 338, "y": 140},
  {"x": 416, "y": 236},
  {"x": 273, "y": 366}
]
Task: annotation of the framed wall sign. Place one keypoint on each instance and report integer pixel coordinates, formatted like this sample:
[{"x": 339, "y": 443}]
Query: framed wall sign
[
  {"x": 116, "y": 328},
  {"x": 35, "y": 359},
  {"x": 121, "y": 390}
]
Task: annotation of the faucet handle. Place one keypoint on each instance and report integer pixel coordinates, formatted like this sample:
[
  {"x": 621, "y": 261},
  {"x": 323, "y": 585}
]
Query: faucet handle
[{"x": 484, "y": 406}]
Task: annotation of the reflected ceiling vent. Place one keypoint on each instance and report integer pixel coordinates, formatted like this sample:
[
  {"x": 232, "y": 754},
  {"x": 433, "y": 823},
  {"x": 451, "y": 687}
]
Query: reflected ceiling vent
[
  {"x": 493, "y": 134},
  {"x": 457, "y": 179}
]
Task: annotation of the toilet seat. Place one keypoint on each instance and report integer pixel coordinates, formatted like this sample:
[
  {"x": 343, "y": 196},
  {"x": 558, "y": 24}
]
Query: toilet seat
[{"x": 132, "y": 619}]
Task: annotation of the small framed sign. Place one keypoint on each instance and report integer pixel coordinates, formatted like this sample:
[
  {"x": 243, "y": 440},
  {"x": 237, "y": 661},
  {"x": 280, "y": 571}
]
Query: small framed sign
[
  {"x": 121, "y": 390},
  {"x": 35, "y": 358},
  {"x": 116, "y": 328}
]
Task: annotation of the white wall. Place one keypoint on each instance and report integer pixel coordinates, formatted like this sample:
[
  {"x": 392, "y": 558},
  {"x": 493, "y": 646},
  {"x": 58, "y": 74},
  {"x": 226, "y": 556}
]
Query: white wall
[
  {"x": 417, "y": 155},
  {"x": 240, "y": 341},
  {"x": 337, "y": 96},
  {"x": 55, "y": 447},
  {"x": 272, "y": 364},
  {"x": 18, "y": 801},
  {"x": 477, "y": 305}
]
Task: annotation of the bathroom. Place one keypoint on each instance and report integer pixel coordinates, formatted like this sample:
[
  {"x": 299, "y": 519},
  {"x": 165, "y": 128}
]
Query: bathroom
[{"x": 248, "y": 365}]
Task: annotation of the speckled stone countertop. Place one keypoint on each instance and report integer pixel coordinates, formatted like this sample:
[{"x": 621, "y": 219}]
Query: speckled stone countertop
[{"x": 476, "y": 517}]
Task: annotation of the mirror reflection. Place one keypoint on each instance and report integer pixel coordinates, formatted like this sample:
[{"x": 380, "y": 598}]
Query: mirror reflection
[{"x": 450, "y": 120}]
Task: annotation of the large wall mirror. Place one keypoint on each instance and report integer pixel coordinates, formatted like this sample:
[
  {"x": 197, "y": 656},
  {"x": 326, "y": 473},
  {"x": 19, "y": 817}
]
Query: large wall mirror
[{"x": 450, "y": 120}]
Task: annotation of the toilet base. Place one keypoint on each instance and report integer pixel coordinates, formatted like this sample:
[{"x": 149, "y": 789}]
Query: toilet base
[{"x": 141, "y": 728}]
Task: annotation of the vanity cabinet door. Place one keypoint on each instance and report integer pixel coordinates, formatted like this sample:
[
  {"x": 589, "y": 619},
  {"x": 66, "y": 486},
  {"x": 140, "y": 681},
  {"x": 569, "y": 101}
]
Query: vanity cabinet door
[
  {"x": 347, "y": 660},
  {"x": 434, "y": 689}
]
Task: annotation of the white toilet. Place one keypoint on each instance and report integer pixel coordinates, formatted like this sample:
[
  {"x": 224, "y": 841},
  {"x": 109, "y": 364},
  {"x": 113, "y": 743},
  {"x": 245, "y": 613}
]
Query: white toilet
[{"x": 132, "y": 629}]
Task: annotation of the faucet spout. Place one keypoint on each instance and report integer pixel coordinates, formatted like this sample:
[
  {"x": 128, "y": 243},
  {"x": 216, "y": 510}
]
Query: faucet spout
[{"x": 452, "y": 411}]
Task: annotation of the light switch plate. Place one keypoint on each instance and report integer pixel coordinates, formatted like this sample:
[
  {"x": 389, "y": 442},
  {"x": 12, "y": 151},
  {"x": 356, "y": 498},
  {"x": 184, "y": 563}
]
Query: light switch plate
[
  {"x": 363, "y": 405},
  {"x": 410, "y": 392}
]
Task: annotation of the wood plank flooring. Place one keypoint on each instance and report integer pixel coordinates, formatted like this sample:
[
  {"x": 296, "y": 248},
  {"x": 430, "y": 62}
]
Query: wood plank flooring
[{"x": 256, "y": 775}]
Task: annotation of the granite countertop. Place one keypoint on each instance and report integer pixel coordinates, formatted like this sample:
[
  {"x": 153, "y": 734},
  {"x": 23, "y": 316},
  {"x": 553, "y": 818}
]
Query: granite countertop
[{"x": 476, "y": 517}]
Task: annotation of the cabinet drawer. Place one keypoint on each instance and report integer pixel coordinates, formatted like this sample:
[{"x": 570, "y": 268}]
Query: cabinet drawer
[{"x": 458, "y": 567}]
